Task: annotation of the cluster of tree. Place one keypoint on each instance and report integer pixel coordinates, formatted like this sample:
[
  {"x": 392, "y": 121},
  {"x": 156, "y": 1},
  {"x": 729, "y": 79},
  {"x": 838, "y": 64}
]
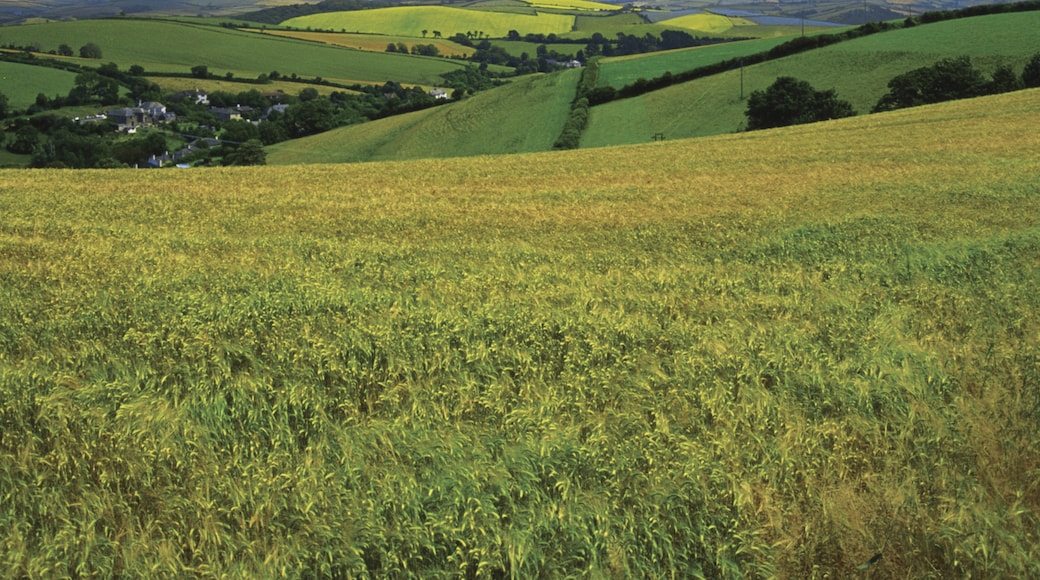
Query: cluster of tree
[
  {"x": 954, "y": 78},
  {"x": 578, "y": 119},
  {"x": 88, "y": 50},
  {"x": 417, "y": 49},
  {"x": 101, "y": 86},
  {"x": 470, "y": 80},
  {"x": 631, "y": 44},
  {"x": 789, "y": 101},
  {"x": 56, "y": 141}
]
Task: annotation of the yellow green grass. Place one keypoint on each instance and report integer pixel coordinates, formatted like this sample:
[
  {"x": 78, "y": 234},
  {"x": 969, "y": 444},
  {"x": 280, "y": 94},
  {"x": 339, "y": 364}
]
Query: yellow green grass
[
  {"x": 538, "y": 107},
  {"x": 707, "y": 22},
  {"x": 766, "y": 355},
  {"x": 375, "y": 42},
  {"x": 574, "y": 5},
  {"x": 412, "y": 20}
]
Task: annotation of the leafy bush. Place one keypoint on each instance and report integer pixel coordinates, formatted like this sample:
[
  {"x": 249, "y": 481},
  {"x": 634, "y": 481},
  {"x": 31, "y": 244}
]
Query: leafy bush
[
  {"x": 946, "y": 80},
  {"x": 789, "y": 101}
]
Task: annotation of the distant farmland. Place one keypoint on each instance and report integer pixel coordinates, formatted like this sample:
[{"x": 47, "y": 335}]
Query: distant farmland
[
  {"x": 165, "y": 46},
  {"x": 412, "y": 20}
]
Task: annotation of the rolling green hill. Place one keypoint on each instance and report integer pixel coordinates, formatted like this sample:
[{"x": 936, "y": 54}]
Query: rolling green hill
[
  {"x": 21, "y": 83},
  {"x": 538, "y": 107},
  {"x": 165, "y": 46},
  {"x": 858, "y": 70},
  {"x": 412, "y": 20},
  {"x": 789, "y": 353}
]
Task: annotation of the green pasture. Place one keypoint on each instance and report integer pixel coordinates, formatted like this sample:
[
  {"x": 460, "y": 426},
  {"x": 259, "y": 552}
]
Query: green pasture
[
  {"x": 781, "y": 354},
  {"x": 166, "y": 46},
  {"x": 518, "y": 47},
  {"x": 620, "y": 71},
  {"x": 412, "y": 20},
  {"x": 537, "y": 108},
  {"x": 20, "y": 83},
  {"x": 859, "y": 70}
]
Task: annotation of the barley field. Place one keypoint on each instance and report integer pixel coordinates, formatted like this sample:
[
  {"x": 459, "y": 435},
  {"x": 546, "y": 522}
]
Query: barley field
[{"x": 803, "y": 353}]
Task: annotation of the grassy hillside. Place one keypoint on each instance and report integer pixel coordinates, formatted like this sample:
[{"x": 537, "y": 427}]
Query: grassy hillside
[
  {"x": 624, "y": 70},
  {"x": 858, "y": 70},
  {"x": 412, "y": 20},
  {"x": 538, "y": 107},
  {"x": 376, "y": 42},
  {"x": 176, "y": 47},
  {"x": 21, "y": 83},
  {"x": 729, "y": 357}
]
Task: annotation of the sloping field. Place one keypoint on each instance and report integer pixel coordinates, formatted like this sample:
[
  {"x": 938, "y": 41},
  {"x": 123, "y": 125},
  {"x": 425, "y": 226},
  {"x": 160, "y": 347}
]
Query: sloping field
[
  {"x": 625, "y": 70},
  {"x": 707, "y": 23},
  {"x": 176, "y": 47},
  {"x": 780, "y": 354},
  {"x": 212, "y": 85},
  {"x": 537, "y": 106},
  {"x": 859, "y": 70},
  {"x": 20, "y": 83},
  {"x": 412, "y": 20},
  {"x": 375, "y": 42},
  {"x": 575, "y": 5}
]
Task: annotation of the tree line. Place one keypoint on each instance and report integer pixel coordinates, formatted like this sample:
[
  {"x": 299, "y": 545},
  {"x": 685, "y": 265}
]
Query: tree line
[{"x": 789, "y": 101}]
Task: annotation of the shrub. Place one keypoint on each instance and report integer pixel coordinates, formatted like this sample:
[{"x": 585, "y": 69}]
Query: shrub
[{"x": 789, "y": 101}]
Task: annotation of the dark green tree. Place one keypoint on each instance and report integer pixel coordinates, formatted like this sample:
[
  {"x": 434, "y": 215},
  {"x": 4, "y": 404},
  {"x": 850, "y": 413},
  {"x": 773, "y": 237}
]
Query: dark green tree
[
  {"x": 789, "y": 101},
  {"x": 249, "y": 153},
  {"x": 1004, "y": 81},
  {"x": 946, "y": 80},
  {"x": 3, "y": 105},
  {"x": 93, "y": 86},
  {"x": 1031, "y": 74},
  {"x": 240, "y": 131},
  {"x": 90, "y": 50},
  {"x": 26, "y": 139},
  {"x": 65, "y": 50},
  {"x": 200, "y": 71}
]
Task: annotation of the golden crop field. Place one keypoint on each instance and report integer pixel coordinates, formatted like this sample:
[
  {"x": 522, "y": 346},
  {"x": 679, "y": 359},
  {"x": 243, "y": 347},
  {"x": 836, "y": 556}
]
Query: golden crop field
[{"x": 803, "y": 353}]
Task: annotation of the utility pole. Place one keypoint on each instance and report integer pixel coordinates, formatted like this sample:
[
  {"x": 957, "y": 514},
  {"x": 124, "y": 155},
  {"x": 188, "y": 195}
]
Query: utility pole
[{"x": 741, "y": 79}]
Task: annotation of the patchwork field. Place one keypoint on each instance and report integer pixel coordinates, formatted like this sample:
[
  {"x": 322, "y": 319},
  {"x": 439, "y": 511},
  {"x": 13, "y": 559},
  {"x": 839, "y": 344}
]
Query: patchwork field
[
  {"x": 786, "y": 353},
  {"x": 167, "y": 46},
  {"x": 412, "y": 20}
]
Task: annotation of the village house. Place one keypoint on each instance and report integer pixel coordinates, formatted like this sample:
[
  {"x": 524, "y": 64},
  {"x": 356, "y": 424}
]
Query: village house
[
  {"x": 195, "y": 96},
  {"x": 439, "y": 94},
  {"x": 129, "y": 118}
]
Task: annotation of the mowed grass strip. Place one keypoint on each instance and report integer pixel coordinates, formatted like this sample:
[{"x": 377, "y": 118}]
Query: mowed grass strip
[
  {"x": 771, "y": 355},
  {"x": 412, "y": 20},
  {"x": 166, "y": 46}
]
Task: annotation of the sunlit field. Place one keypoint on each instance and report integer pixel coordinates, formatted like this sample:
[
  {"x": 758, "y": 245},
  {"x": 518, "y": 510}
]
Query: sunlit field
[{"x": 800, "y": 353}]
